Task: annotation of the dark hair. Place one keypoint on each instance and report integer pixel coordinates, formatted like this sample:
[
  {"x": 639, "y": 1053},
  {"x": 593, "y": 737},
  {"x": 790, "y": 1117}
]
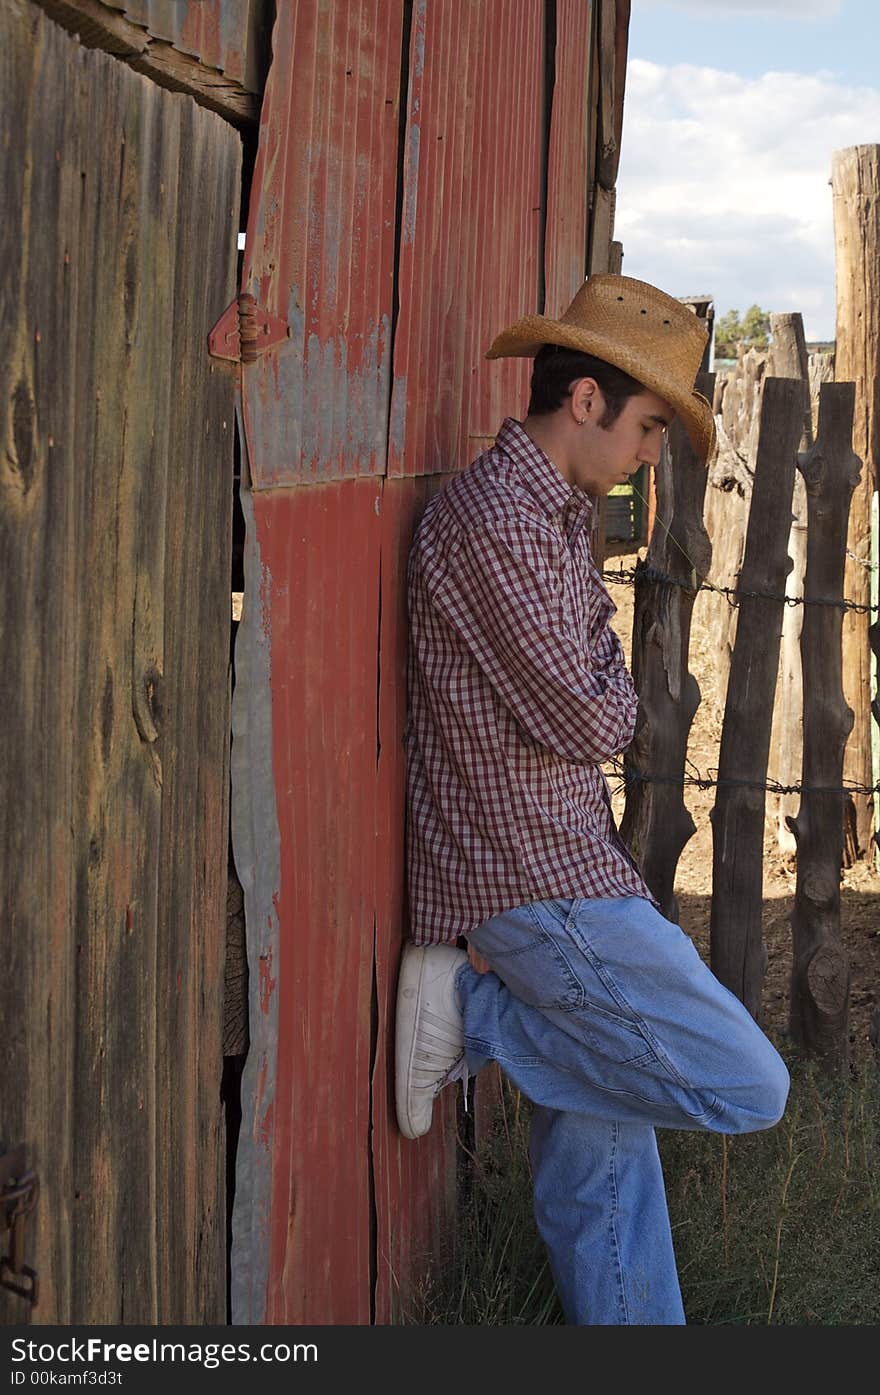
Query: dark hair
[{"x": 556, "y": 368}]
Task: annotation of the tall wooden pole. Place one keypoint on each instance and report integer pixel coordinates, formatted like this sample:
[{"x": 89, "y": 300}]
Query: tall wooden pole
[
  {"x": 820, "y": 977},
  {"x": 855, "y": 181},
  {"x": 656, "y": 824},
  {"x": 788, "y": 359},
  {"x": 738, "y": 956}
]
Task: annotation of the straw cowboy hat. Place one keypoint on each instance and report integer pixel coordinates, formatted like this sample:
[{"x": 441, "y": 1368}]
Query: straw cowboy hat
[{"x": 632, "y": 325}]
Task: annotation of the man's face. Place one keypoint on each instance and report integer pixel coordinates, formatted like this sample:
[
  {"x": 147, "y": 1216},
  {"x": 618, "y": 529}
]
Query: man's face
[{"x": 609, "y": 455}]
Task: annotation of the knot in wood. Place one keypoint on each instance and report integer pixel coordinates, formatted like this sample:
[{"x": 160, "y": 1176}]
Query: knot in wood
[{"x": 828, "y": 979}]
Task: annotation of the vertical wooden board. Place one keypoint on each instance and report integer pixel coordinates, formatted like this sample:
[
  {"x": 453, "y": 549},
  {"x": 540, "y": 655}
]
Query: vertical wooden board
[
  {"x": 565, "y": 258},
  {"x": 96, "y": 424},
  {"x": 613, "y": 39},
  {"x": 602, "y": 231},
  {"x": 320, "y": 242},
  {"x": 319, "y": 554},
  {"x": 193, "y": 740},
  {"x": 470, "y": 226},
  {"x": 37, "y": 619},
  {"x": 414, "y": 1181},
  {"x": 118, "y": 775}
]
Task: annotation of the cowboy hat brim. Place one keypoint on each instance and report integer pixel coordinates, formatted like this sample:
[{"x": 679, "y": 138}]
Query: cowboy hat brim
[{"x": 524, "y": 338}]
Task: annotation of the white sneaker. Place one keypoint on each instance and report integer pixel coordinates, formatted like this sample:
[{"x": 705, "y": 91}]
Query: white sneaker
[{"x": 429, "y": 1050}]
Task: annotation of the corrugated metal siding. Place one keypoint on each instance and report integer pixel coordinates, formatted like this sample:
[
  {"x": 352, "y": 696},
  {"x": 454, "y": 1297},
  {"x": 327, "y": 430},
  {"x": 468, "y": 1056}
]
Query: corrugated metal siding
[
  {"x": 336, "y": 1214},
  {"x": 320, "y": 243},
  {"x": 471, "y": 225}
]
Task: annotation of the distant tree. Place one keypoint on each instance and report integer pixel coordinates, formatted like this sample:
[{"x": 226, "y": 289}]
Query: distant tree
[
  {"x": 753, "y": 330},
  {"x": 756, "y": 328},
  {"x": 727, "y": 333}
]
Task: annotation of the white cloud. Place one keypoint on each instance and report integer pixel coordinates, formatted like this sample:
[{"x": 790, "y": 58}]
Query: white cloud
[
  {"x": 724, "y": 183},
  {"x": 783, "y": 9}
]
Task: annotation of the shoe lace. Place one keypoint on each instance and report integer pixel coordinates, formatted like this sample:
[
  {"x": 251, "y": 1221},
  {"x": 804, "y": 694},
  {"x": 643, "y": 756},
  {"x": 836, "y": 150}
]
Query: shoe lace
[{"x": 459, "y": 1072}]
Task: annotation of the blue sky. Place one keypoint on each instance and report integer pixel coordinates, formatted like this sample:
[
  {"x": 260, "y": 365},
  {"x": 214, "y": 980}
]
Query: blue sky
[{"x": 731, "y": 115}]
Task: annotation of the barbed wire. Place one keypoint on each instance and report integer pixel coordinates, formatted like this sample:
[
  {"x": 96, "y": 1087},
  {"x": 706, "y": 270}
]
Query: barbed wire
[
  {"x": 630, "y": 775},
  {"x": 732, "y": 594}
]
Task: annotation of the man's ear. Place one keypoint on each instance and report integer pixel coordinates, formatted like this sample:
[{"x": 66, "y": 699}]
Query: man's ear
[{"x": 586, "y": 399}]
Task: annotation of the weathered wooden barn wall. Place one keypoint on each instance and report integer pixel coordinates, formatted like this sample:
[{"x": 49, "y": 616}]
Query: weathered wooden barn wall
[
  {"x": 118, "y": 253},
  {"x": 216, "y": 50},
  {"x": 419, "y": 183}
]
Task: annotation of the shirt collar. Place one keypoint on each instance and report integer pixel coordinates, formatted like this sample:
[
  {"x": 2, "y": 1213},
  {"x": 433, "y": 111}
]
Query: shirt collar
[{"x": 540, "y": 476}]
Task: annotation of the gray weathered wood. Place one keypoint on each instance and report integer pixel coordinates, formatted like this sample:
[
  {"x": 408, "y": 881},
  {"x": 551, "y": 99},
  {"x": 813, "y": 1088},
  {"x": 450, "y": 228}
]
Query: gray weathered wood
[
  {"x": 855, "y": 181},
  {"x": 613, "y": 40},
  {"x": 738, "y": 957},
  {"x": 601, "y": 229},
  {"x": 102, "y": 26},
  {"x": 115, "y": 499},
  {"x": 820, "y": 977},
  {"x": 728, "y": 495},
  {"x": 788, "y": 359},
  {"x": 656, "y": 824},
  {"x": 821, "y": 370}
]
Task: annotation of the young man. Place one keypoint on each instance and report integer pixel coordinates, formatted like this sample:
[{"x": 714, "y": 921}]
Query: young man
[{"x": 595, "y": 1006}]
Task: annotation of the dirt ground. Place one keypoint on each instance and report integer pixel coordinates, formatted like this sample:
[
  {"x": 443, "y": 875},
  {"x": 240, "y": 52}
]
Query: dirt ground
[{"x": 860, "y": 892}]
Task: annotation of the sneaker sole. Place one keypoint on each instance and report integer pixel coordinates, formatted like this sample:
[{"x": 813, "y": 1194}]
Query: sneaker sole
[{"x": 409, "y": 991}]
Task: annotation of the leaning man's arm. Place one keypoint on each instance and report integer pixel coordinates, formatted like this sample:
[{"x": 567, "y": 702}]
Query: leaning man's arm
[{"x": 503, "y": 597}]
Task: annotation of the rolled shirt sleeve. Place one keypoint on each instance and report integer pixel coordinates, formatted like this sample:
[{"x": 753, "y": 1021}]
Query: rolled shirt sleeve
[{"x": 502, "y": 595}]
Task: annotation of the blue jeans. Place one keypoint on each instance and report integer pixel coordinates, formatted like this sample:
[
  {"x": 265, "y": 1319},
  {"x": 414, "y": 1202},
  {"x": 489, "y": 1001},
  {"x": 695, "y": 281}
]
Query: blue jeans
[{"x": 603, "y": 1014}]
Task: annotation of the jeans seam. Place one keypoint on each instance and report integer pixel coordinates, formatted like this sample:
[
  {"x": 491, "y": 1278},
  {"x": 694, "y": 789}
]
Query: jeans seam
[
  {"x": 637, "y": 1021},
  {"x": 490, "y": 1050},
  {"x": 553, "y": 947},
  {"x": 615, "y": 1203}
]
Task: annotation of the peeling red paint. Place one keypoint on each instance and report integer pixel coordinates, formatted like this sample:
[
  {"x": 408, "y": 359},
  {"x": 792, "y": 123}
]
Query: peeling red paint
[
  {"x": 320, "y": 244},
  {"x": 267, "y": 982},
  {"x": 266, "y": 1127}
]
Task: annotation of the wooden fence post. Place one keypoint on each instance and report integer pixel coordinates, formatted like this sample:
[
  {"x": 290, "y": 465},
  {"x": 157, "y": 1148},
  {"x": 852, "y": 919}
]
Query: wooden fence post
[
  {"x": 656, "y": 825},
  {"x": 788, "y": 359},
  {"x": 820, "y": 976},
  {"x": 855, "y": 180},
  {"x": 738, "y": 956},
  {"x": 728, "y": 494}
]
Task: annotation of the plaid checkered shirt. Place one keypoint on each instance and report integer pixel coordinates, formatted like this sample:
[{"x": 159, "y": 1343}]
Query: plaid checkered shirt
[{"x": 518, "y": 689}]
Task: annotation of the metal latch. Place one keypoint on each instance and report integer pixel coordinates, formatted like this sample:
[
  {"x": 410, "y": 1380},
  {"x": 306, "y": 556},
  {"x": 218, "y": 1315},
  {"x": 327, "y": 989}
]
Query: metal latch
[
  {"x": 244, "y": 331},
  {"x": 19, "y": 1189}
]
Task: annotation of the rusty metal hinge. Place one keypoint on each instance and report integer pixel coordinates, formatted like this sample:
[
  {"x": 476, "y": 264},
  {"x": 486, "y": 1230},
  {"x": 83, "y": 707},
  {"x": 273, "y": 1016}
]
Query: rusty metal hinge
[
  {"x": 19, "y": 1189},
  {"x": 244, "y": 331}
]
